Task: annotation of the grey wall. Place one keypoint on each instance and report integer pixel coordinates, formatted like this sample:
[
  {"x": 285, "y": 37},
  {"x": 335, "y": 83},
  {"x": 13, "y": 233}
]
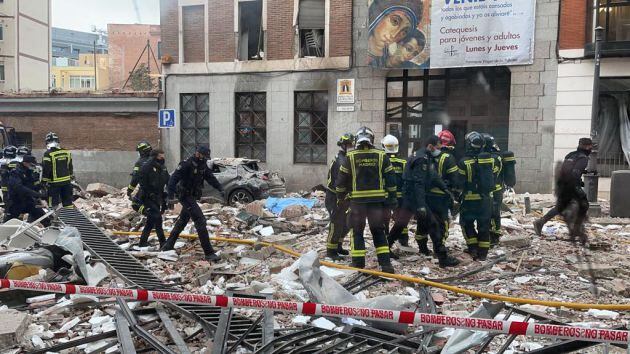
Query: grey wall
[{"x": 109, "y": 167}]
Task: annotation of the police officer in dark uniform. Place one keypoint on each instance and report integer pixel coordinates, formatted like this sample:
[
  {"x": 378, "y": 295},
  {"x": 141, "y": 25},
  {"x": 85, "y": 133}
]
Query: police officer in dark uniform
[
  {"x": 476, "y": 170},
  {"x": 366, "y": 178},
  {"x": 419, "y": 179},
  {"x": 391, "y": 146},
  {"x": 569, "y": 188},
  {"x": 337, "y": 209},
  {"x": 187, "y": 182},
  {"x": 23, "y": 194},
  {"x": 57, "y": 173},
  {"x": 144, "y": 150},
  {"x": 151, "y": 199}
]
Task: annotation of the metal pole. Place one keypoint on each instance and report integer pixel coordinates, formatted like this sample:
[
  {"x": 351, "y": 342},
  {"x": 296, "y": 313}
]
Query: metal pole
[
  {"x": 95, "y": 78},
  {"x": 591, "y": 178}
]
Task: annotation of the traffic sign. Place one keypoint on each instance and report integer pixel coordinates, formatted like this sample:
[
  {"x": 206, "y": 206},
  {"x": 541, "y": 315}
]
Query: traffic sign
[{"x": 166, "y": 118}]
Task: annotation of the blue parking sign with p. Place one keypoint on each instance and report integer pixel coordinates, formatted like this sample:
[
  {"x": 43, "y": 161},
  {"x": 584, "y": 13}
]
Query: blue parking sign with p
[{"x": 167, "y": 118}]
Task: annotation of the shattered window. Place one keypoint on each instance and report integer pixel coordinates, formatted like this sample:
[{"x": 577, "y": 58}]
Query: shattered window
[
  {"x": 251, "y": 125},
  {"x": 311, "y": 22},
  {"x": 251, "y": 44},
  {"x": 194, "y": 122},
  {"x": 311, "y": 127}
]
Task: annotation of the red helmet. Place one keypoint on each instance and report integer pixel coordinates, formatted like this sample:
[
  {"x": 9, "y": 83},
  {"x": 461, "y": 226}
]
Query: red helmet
[{"x": 447, "y": 138}]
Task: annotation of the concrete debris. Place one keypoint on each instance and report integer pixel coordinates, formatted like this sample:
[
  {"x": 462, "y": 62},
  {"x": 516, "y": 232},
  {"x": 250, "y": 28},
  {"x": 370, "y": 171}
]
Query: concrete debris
[
  {"x": 516, "y": 241},
  {"x": 13, "y": 324},
  {"x": 598, "y": 269},
  {"x": 101, "y": 189},
  {"x": 603, "y": 314},
  {"x": 323, "y": 323}
]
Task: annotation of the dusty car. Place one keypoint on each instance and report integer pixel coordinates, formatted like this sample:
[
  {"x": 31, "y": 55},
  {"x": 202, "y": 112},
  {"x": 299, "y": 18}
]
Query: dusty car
[{"x": 243, "y": 181}]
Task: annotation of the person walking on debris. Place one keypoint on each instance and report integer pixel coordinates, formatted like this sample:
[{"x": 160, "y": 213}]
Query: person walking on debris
[
  {"x": 569, "y": 189},
  {"x": 419, "y": 179},
  {"x": 477, "y": 183},
  {"x": 337, "y": 209},
  {"x": 391, "y": 147},
  {"x": 187, "y": 182},
  {"x": 491, "y": 147},
  {"x": 151, "y": 199},
  {"x": 144, "y": 150},
  {"x": 366, "y": 178},
  {"x": 57, "y": 173},
  {"x": 23, "y": 193}
]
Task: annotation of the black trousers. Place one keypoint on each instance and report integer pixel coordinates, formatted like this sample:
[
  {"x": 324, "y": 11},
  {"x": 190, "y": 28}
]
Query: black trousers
[
  {"x": 34, "y": 213},
  {"x": 432, "y": 225},
  {"x": 191, "y": 210},
  {"x": 338, "y": 227},
  {"x": 151, "y": 208},
  {"x": 403, "y": 236},
  {"x": 495, "y": 221},
  {"x": 479, "y": 212},
  {"x": 60, "y": 194},
  {"x": 566, "y": 195},
  {"x": 373, "y": 212}
]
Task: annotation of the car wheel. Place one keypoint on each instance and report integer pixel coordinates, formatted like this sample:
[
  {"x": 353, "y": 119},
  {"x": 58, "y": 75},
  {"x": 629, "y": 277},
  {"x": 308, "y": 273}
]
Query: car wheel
[{"x": 241, "y": 196}]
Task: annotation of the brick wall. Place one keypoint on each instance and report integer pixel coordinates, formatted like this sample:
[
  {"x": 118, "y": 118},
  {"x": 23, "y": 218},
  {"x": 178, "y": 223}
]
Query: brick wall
[
  {"x": 221, "y": 30},
  {"x": 572, "y": 24},
  {"x": 193, "y": 36},
  {"x": 340, "y": 28},
  {"x": 169, "y": 22},
  {"x": 279, "y": 29},
  {"x": 88, "y": 131},
  {"x": 126, "y": 43}
]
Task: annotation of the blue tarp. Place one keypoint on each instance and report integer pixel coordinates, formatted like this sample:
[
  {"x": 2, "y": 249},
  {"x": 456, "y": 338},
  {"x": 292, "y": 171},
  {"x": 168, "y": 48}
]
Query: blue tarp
[{"x": 277, "y": 205}]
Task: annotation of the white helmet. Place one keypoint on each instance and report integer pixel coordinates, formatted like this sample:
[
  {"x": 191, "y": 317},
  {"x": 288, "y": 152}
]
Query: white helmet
[
  {"x": 390, "y": 144},
  {"x": 364, "y": 135}
]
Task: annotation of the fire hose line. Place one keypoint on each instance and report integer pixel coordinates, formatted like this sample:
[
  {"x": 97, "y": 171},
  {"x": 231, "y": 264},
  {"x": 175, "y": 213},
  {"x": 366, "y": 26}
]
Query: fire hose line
[
  {"x": 410, "y": 279},
  {"x": 599, "y": 335}
]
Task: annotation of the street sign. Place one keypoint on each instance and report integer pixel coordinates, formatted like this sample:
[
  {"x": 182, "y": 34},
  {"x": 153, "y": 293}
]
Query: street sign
[{"x": 166, "y": 118}]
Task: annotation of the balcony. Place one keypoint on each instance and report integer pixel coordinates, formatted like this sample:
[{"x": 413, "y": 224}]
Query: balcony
[{"x": 614, "y": 17}]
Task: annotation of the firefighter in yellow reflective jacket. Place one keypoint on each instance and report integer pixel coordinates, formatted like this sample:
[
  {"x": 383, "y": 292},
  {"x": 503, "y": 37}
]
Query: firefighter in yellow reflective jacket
[
  {"x": 439, "y": 200},
  {"x": 366, "y": 178},
  {"x": 337, "y": 209},
  {"x": 57, "y": 173},
  {"x": 391, "y": 147},
  {"x": 492, "y": 148},
  {"x": 144, "y": 150},
  {"x": 477, "y": 181}
]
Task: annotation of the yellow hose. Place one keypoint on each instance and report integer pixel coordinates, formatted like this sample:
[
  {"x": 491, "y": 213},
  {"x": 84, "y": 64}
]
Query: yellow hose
[{"x": 406, "y": 278}]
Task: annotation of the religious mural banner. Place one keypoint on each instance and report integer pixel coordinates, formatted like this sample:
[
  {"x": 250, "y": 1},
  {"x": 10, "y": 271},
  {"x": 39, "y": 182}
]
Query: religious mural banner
[{"x": 416, "y": 34}]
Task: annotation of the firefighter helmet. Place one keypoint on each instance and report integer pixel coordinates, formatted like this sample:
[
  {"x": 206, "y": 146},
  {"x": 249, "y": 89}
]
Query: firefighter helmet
[
  {"x": 143, "y": 148},
  {"x": 490, "y": 143},
  {"x": 52, "y": 137},
  {"x": 390, "y": 144},
  {"x": 365, "y": 135},
  {"x": 447, "y": 138},
  {"x": 346, "y": 139},
  {"x": 474, "y": 141},
  {"x": 10, "y": 152}
]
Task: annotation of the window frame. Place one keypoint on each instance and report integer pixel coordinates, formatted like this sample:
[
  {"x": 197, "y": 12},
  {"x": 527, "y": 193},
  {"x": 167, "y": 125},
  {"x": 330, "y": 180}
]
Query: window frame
[
  {"x": 196, "y": 127},
  {"x": 1, "y": 32},
  {"x": 252, "y": 144},
  {"x": 2, "y": 72},
  {"x": 592, "y": 21},
  {"x": 296, "y": 127}
]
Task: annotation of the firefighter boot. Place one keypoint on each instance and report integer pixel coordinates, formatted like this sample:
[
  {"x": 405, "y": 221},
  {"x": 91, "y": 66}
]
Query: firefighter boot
[
  {"x": 341, "y": 251},
  {"x": 482, "y": 254},
  {"x": 358, "y": 262},
  {"x": 494, "y": 239},
  {"x": 387, "y": 268},
  {"x": 334, "y": 255},
  {"x": 424, "y": 248},
  {"x": 473, "y": 251},
  {"x": 447, "y": 261}
]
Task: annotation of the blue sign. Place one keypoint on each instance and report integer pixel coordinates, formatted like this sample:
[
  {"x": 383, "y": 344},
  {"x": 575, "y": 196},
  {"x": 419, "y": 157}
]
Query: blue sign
[{"x": 167, "y": 118}]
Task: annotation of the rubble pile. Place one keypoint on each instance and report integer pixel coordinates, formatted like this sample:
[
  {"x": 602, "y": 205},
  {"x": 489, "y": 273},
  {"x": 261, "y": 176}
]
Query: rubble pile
[{"x": 524, "y": 265}]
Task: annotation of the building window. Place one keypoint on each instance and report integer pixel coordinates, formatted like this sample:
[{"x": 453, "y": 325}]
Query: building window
[
  {"x": 613, "y": 16},
  {"x": 612, "y": 121},
  {"x": 81, "y": 82},
  {"x": 24, "y": 139},
  {"x": 251, "y": 125},
  {"x": 251, "y": 43},
  {"x": 2, "y": 73},
  {"x": 1, "y": 32},
  {"x": 195, "y": 122},
  {"x": 311, "y": 127},
  {"x": 311, "y": 23},
  {"x": 420, "y": 103}
]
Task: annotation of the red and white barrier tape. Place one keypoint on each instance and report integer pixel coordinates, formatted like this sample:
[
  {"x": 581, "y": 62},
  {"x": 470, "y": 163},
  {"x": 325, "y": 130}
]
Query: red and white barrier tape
[{"x": 313, "y": 309}]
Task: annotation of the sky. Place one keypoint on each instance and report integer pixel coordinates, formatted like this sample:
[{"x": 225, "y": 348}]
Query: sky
[{"x": 81, "y": 15}]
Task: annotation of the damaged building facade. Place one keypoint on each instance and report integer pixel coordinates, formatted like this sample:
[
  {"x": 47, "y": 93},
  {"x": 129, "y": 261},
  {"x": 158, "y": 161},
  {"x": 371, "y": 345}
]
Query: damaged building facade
[
  {"x": 579, "y": 19},
  {"x": 259, "y": 79}
]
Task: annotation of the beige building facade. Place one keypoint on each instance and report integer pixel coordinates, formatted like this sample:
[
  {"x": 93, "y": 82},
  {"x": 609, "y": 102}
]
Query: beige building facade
[{"x": 25, "y": 48}]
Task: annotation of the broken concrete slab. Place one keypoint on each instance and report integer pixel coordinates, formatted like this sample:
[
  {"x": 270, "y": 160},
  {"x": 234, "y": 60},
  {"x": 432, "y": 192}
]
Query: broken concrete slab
[
  {"x": 516, "y": 241},
  {"x": 598, "y": 270},
  {"x": 13, "y": 324},
  {"x": 294, "y": 211}
]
